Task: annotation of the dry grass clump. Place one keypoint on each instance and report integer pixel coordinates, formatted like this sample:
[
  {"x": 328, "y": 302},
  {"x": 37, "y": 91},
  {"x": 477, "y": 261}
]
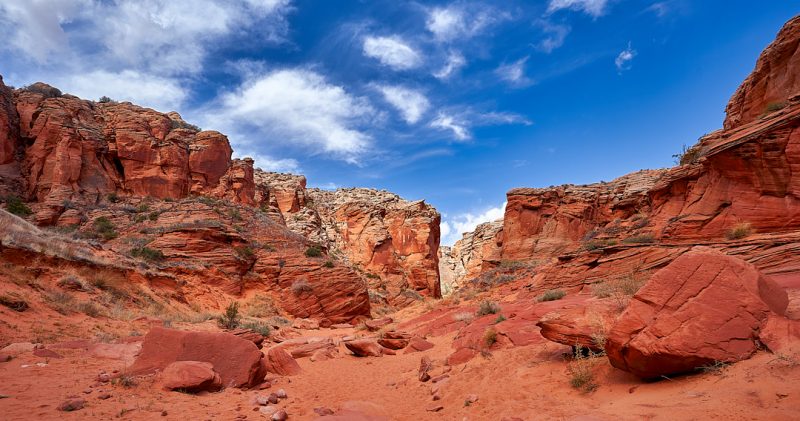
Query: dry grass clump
[
  {"x": 581, "y": 371},
  {"x": 487, "y": 307},
  {"x": 620, "y": 289},
  {"x": 489, "y": 337},
  {"x": 551, "y": 295},
  {"x": 465, "y": 317},
  {"x": 300, "y": 286},
  {"x": 260, "y": 306},
  {"x": 14, "y": 301},
  {"x": 739, "y": 231}
]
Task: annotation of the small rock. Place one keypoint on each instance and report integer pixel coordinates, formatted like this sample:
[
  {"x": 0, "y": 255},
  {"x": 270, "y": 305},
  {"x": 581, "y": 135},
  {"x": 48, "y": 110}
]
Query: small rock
[
  {"x": 104, "y": 377},
  {"x": 87, "y": 391},
  {"x": 5, "y": 357},
  {"x": 46, "y": 353},
  {"x": 164, "y": 413},
  {"x": 472, "y": 398},
  {"x": 435, "y": 407},
  {"x": 272, "y": 398},
  {"x": 104, "y": 396},
  {"x": 268, "y": 410},
  {"x": 322, "y": 411},
  {"x": 70, "y": 405},
  {"x": 440, "y": 377},
  {"x": 281, "y": 415},
  {"x": 425, "y": 365},
  {"x": 281, "y": 394}
]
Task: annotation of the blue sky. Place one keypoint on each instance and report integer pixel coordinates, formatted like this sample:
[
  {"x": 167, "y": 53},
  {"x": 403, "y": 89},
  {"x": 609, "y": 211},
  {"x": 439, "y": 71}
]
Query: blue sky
[{"x": 455, "y": 102}]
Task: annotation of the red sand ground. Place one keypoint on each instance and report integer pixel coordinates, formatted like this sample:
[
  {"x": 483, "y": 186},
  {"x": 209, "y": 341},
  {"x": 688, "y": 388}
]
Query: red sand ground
[{"x": 529, "y": 382}]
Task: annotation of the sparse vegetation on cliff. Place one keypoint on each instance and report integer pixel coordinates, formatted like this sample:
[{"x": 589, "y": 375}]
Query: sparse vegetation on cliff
[
  {"x": 552, "y": 295},
  {"x": 739, "y": 231},
  {"x": 16, "y": 206}
]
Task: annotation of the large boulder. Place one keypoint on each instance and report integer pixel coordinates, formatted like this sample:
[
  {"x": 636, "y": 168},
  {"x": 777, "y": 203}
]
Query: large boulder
[
  {"x": 367, "y": 348},
  {"x": 191, "y": 376},
  {"x": 237, "y": 361},
  {"x": 702, "y": 308}
]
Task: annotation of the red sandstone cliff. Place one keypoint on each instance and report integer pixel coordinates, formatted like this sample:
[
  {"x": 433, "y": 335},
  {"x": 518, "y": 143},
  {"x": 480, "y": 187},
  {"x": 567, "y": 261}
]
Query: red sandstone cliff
[
  {"x": 160, "y": 185},
  {"x": 737, "y": 190},
  {"x": 392, "y": 241}
]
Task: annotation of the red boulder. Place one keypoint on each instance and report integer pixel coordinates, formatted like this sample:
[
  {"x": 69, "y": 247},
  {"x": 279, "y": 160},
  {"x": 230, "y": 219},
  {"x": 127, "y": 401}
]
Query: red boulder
[
  {"x": 281, "y": 363},
  {"x": 702, "y": 308},
  {"x": 191, "y": 376},
  {"x": 237, "y": 361}
]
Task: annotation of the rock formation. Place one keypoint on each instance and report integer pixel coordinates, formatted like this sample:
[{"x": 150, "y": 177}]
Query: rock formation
[
  {"x": 469, "y": 256},
  {"x": 394, "y": 242}
]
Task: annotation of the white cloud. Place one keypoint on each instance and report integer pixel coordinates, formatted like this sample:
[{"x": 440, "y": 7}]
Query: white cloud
[
  {"x": 463, "y": 21},
  {"x": 514, "y": 73},
  {"x": 453, "y": 228},
  {"x": 623, "y": 60},
  {"x": 296, "y": 106},
  {"x": 393, "y": 52},
  {"x": 455, "y": 61},
  {"x": 268, "y": 163},
  {"x": 448, "y": 122},
  {"x": 555, "y": 34},
  {"x": 124, "y": 49},
  {"x": 595, "y": 8},
  {"x": 410, "y": 103},
  {"x": 499, "y": 117},
  {"x": 163, "y": 94}
]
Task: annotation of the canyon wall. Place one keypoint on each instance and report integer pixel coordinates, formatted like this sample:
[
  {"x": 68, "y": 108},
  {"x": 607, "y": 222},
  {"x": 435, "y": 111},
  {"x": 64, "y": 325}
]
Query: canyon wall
[
  {"x": 391, "y": 241},
  {"x": 138, "y": 184},
  {"x": 736, "y": 190}
]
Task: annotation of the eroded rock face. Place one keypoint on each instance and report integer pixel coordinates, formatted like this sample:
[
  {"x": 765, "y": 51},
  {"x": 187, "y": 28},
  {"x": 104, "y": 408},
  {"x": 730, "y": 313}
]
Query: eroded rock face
[
  {"x": 774, "y": 80},
  {"x": 475, "y": 252},
  {"x": 82, "y": 150},
  {"x": 704, "y": 307},
  {"x": 393, "y": 241}
]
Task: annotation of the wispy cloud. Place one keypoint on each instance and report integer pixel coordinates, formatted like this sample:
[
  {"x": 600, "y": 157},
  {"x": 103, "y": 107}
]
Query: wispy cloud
[
  {"x": 624, "y": 58},
  {"x": 462, "y": 21},
  {"x": 393, "y": 52},
  {"x": 595, "y": 8},
  {"x": 411, "y": 104},
  {"x": 514, "y": 73},
  {"x": 455, "y": 61},
  {"x": 554, "y": 35},
  {"x": 448, "y": 122}
]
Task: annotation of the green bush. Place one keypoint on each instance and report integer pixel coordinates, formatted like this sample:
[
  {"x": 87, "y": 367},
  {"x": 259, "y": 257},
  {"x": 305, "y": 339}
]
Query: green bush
[
  {"x": 739, "y": 231},
  {"x": 640, "y": 239},
  {"x": 104, "y": 100},
  {"x": 245, "y": 252},
  {"x": 105, "y": 228},
  {"x": 147, "y": 253},
  {"x": 328, "y": 264},
  {"x": 258, "y": 327},
  {"x": 112, "y": 197},
  {"x": 16, "y": 206},
  {"x": 313, "y": 251},
  {"x": 552, "y": 295},
  {"x": 230, "y": 320}
]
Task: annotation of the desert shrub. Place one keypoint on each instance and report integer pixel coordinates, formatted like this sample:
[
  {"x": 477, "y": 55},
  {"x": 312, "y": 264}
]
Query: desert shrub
[
  {"x": 489, "y": 337},
  {"x": 146, "y": 253},
  {"x": 125, "y": 380},
  {"x": 112, "y": 197},
  {"x": 686, "y": 156},
  {"x": 500, "y": 318},
  {"x": 16, "y": 206},
  {"x": 592, "y": 245},
  {"x": 140, "y": 218},
  {"x": 89, "y": 308},
  {"x": 464, "y": 317},
  {"x": 230, "y": 319},
  {"x": 487, "y": 307},
  {"x": 72, "y": 282},
  {"x": 551, "y": 295},
  {"x": 60, "y": 302},
  {"x": 268, "y": 247},
  {"x": 143, "y": 207},
  {"x": 105, "y": 100},
  {"x": 313, "y": 251},
  {"x": 14, "y": 302},
  {"x": 105, "y": 228},
  {"x": 260, "y": 306},
  {"x": 301, "y": 286},
  {"x": 245, "y": 252},
  {"x": 640, "y": 239},
  {"x": 620, "y": 289},
  {"x": 739, "y": 231},
  {"x": 153, "y": 216},
  {"x": 774, "y": 106},
  {"x": 410, "y": 293},
  {"x": 581, "y": 374},
  {"x": 372, "y": 276},
  {"x": 716, "y": 368},
  {"x": 261, "y": 328},
  {"x": 328, "y": 264}
]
